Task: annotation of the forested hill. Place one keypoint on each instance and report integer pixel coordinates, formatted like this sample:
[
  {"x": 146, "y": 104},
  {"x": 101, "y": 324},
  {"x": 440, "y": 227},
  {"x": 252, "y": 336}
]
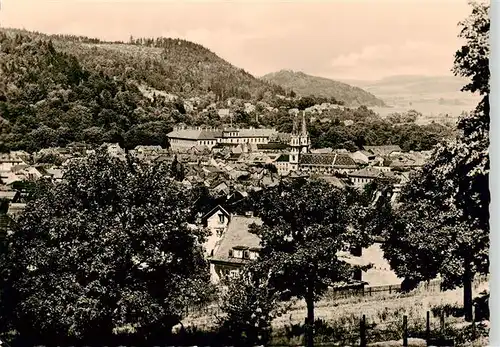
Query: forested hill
[
  {"x": 171, "y": 65},
  {"x": 305, "y": 85},
  {"x": 59, "y": 89}
]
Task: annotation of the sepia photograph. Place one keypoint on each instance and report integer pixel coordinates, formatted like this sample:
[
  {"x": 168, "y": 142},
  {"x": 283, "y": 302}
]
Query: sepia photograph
[{"x": 245, "y": 173}]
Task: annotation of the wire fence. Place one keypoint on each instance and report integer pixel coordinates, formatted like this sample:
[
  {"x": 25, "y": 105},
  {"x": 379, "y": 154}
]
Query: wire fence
[
  {"x": 382, "y": 291},
  {"x": 440, "y": 326},
  {"x": 432, "y": 329}
]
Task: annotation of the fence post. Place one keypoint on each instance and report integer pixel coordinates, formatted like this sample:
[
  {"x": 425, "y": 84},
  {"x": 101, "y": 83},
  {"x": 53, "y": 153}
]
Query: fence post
[
  {"x": 390, "y": 291},
  {"x": 442, "y": 323},
  {"x": 473, "y": 323},
  {"x": 428, "y": 326},
  {"x": 362, "y": 332},
  {"x": 405, "y": 331},
  {"x": 370, "y": 291}
]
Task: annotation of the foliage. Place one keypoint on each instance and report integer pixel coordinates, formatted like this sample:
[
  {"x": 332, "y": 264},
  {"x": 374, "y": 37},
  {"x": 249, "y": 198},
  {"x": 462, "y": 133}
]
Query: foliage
[
  {"x": 305, "y": 224},
  {"x": 249, "y": 307},
  {"x": 105, "y": 251},
  {"x": 442, "y": 224},
  {"x": 177, "y": 170}
]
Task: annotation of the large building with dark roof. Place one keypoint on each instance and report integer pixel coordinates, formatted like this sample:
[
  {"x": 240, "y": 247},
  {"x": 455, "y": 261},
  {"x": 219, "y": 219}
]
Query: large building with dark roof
[
  {"x": 183, "y": 138},
  {"x": 327, "y": 163}
]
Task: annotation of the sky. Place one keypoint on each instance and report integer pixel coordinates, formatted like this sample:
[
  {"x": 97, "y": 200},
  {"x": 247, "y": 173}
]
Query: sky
[{"x": 340, "y": 39}]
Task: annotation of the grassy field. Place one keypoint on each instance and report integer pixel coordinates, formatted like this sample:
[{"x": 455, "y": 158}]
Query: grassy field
[{"x": 384, "y": 315}]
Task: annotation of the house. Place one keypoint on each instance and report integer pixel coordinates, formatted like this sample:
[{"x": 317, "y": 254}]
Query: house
[
  {"x": 406, "y": 160},
  {"x": 30, "y": 172},
  {"x": 334, "y": 181},
  {"x": 216, "y": 221},
  {"x": 237, "y": 247},
  {"x": 251, "y": 135},
  {"x": 9, "y": 178},
  {"x": 366, "y": 175},
  {"x": 272, "y": 147},
  {"x": 380, "y": 274},
  {"x": 223, "y": 113},
  {"x": 147, "y": 149},
  {"x": 221, "y": 188},
  {"x": 7, "y": 162},
  {"x": 23, "y": 155},
  {"x": 8, "y": 197},
  {"x": 362, "y": 177},
  {"x": 382, "y": 151},
  {"x": 363, "y": 157},
  {"x": 283, "y": 164},
  {"x": 55, "y": 174},
  {"x": 115, "y": 150}
]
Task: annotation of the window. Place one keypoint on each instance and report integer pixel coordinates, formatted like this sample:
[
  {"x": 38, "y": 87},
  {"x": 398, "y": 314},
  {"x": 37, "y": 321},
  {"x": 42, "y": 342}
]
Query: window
[
  {"x": 230, "y": 253},
  {"x": 221, "y": 218},
  {"x": 237, "y": 253},
  {"x": 246, "y": 255},
  {"x": 356, "y": 251}
]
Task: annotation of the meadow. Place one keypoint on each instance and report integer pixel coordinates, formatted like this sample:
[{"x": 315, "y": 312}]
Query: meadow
[{"x": 338, "y": 318}]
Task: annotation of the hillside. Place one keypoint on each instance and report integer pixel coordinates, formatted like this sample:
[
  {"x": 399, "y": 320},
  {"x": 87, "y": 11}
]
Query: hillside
[
  {"x": 58, "y": 89},
  {"x": 305, "y": 85},
  {"x": 174, "y": 66}
]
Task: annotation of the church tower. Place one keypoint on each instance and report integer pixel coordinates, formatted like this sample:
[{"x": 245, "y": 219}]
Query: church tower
[
  {"x": 299, "y": 142},
  {"x": 305, "y": 141}
]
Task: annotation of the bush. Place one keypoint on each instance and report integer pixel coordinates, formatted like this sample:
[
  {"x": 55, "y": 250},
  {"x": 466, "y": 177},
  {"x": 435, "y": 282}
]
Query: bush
[{"x": 249, "y": 307}]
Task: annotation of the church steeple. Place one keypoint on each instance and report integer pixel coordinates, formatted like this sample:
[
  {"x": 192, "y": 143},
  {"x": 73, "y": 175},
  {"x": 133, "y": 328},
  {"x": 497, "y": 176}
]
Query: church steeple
[
  {"x": 304, "y": 125},
  {"x": 295, "y": 129}
]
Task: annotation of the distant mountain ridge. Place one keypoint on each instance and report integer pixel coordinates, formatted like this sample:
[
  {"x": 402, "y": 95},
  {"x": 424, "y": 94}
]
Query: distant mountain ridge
[
  {"x": 417, "y": 89},
  {"x": 413, "y": 84},
  {"x": 305, "y": 85}
]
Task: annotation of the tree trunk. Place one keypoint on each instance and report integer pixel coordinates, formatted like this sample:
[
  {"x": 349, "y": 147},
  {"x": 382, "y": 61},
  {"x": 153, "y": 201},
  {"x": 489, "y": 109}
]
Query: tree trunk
[
  {"x": 310, "y": 318},
  {"x": 467, "y": 282}
]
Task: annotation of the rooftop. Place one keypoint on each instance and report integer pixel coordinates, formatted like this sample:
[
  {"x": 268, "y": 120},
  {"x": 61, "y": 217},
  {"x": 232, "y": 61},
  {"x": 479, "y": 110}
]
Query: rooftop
[
  {"x": 382, "y": 150},
  {"x": 194, "y": 134},
  {"x": 328, "y": 159},
  {"x": 237, "y": 235}
]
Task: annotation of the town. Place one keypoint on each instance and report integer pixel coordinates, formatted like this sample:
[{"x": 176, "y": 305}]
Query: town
[
  {"x": 336, "y": 193},
  {"x": 230, "y": 163}
]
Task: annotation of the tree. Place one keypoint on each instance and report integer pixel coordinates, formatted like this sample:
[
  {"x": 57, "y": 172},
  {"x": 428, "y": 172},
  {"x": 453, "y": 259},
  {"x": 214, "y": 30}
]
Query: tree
[
  {"x": 442, "y": 224},
  {"x": 106, "y": 251},
  {"x": 249, "y": 306},
  {"x": 305, "y": 225},
  {"x": 177, "y": 170}
]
